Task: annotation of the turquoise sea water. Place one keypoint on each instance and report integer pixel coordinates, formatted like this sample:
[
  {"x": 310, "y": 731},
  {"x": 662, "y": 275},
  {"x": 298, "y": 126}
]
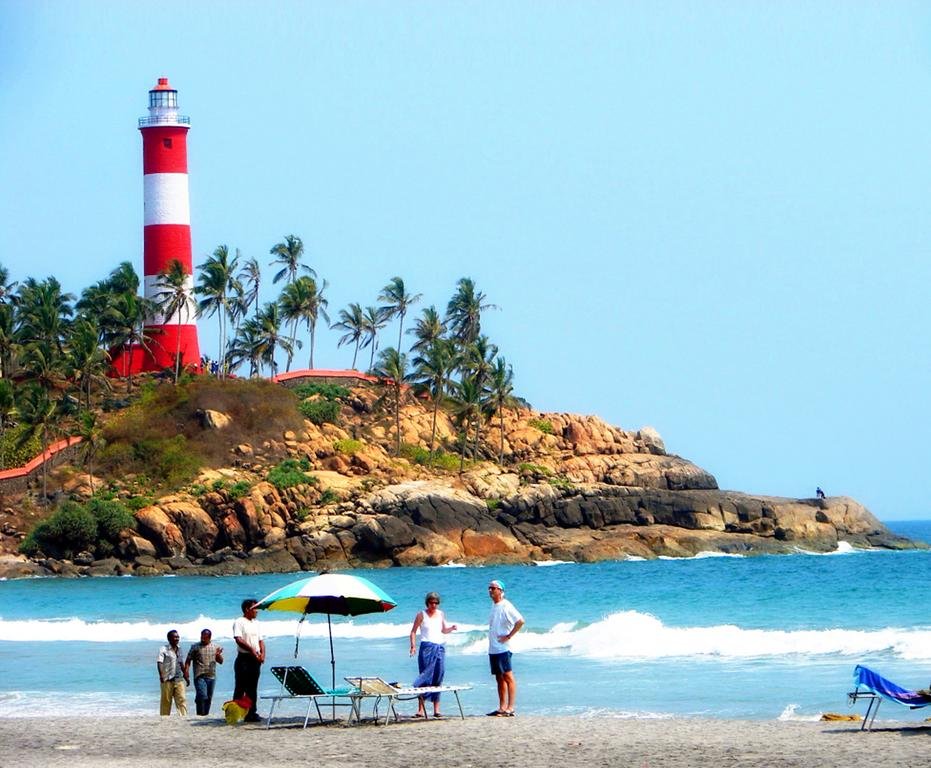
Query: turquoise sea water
[{"x": 734, "y": 637}]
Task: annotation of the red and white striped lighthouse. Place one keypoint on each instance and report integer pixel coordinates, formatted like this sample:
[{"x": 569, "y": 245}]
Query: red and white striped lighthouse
[{"x": 167, "y": 231}]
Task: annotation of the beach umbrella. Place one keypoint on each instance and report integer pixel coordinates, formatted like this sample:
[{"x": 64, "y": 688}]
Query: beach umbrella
[{"x": 330, "y": 593}]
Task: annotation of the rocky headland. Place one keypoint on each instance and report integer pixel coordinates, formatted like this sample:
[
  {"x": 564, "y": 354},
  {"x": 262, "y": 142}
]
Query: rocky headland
[{"x": 546, "y": 486}]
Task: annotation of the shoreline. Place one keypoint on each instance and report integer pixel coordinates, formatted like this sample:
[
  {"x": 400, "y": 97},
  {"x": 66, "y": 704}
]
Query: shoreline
[{"x": 150, "y": 741}]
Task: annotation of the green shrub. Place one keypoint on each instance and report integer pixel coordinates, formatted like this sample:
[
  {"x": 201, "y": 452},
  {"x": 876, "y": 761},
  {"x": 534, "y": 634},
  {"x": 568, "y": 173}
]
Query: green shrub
[
  {"x": 135, "y": 503},
  {"x": 348, "y": 447},
  {"x": 492, "y": 504},
  {"x": 561, "y": 482},
  {"x": 239, "y": 489},
  {"x": 320, "y": 411},
  {"x": 70, "y": 529},
  {"x": 112, "y": 517},
  {"x": 326, "y": 391},
  {"x": 544, "y": 425},
  {"x": 289, "y": 473},
  {"x": 448, "y": 462},
  {"x": 534, "y": 469},
  {"x": 198, "y": 489},
  {"x": 329, "y": 496},
  {"x": 218, "y": 485}
]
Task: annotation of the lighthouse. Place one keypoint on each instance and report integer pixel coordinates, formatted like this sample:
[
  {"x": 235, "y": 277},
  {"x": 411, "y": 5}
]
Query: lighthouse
[{"x": 167, "y": 228}]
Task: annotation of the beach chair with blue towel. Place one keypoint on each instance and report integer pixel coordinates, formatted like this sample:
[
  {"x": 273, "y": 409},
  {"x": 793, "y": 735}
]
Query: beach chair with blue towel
[
  {"x": 298, "y": 683},
  {"x": 879, "y": 688}
]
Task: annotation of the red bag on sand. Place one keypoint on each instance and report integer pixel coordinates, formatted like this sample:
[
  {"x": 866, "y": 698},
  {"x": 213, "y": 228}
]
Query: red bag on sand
[{"x": 236, "y": 709}]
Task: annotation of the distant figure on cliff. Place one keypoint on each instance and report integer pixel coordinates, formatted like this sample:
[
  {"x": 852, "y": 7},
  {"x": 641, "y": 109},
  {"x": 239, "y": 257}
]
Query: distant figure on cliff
[{"x": 819, "y": 493}]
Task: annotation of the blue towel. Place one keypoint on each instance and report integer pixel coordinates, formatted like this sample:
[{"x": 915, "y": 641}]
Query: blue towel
[
  {"x": 432, "y": 664},
  {"x": 889, "y": 690}
]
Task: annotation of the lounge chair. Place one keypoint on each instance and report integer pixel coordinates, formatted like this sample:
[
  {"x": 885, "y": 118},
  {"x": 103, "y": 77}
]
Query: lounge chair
[
  {"x": 391, "y": 693},
  {"x": 298, "y": 683},
  {"x": 879, "y": 688}
]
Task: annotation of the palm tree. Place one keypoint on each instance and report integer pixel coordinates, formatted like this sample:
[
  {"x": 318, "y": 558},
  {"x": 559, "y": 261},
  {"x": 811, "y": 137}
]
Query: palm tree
[
  {"x": 89, "y": 430},
  {"x": 269, "y": 336},
  {"x": 7, "y": 288},
  {"x": 7, "y": 408},
  {"x": 87, "y": 362},
  {"x": 250, "y": 278},
  {"x": 218, "y": 286},
  {"x": 125, "y": 323},
  {"x": 398, "y": 302},
  {"x": 289, "y": 252},
  {"x": 501, "y": 396},
  {"x": 8, "y": 342},
  {"x": 44, "y": 365},
  {"x": 428, "y": 328},
  {"x": 352, "y": 321},
  {"x": 392, "y": 366},
  {"x": 467, "y": 407},
  {"x": 304, "y": 300},
  {"x": 38, "y": 412},
  {"x": 373, "y": 322},
  {"x": 432, "y": 371},
  {"x": 464, "y": 311},
  {"x": 173, "y": 299},
  {"x": 43, "y": 312},
  {"x": 123, "y": 279},
  {"x": 247, "y": 345},
  {"x": 476, "y": 363}
]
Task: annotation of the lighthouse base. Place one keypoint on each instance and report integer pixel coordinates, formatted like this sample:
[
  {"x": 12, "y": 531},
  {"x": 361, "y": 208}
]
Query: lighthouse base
[{"x": 165, "y": 343}]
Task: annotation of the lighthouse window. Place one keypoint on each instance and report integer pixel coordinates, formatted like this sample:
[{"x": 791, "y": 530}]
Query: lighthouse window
[
  {"x": 166, "y": 143},
  {"x": 163, "y": 98}
]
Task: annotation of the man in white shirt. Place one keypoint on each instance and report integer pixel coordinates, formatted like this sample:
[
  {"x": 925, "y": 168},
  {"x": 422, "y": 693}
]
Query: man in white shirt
[
  {"x": 249, "y": 659},
  {"x": 504, "y": 622}
]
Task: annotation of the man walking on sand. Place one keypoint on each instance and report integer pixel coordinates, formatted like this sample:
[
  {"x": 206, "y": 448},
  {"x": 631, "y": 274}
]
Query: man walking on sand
[
  {"x": 205, "y": 656},
  {"x": 505, "y": 622},
  {"x": 251, "y": 656},
  {"x": 173, "y": 676}
]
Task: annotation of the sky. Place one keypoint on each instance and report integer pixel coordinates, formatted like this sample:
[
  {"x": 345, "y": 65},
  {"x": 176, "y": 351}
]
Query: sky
[{"x": 712, "y": 218}]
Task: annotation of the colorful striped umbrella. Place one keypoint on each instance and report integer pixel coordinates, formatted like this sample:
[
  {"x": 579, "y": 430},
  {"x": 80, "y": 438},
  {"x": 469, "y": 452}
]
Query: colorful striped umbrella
[{"x": 329, "y": 593}]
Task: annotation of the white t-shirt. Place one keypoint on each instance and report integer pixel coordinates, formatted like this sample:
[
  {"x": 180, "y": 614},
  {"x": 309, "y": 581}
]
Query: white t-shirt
[
  {"x": 248, "y": 630},
  {"x": 431, "y": 628},
  {"x": 501, "y": 621}
]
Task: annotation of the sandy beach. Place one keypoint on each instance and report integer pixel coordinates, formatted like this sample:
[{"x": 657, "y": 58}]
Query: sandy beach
[{"x": 477, "y": 741}]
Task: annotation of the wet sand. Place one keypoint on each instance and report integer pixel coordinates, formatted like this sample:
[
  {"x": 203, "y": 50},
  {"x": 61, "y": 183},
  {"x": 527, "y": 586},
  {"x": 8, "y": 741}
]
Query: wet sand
[{"x": 534, "y": 742}]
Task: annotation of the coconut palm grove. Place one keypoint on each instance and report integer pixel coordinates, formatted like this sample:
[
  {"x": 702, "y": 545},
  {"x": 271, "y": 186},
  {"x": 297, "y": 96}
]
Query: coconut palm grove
[{"x": 58, "y": 377}]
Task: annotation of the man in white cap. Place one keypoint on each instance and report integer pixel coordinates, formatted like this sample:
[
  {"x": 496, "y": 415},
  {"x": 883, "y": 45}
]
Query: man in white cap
[{"x": 505, "y": 622}]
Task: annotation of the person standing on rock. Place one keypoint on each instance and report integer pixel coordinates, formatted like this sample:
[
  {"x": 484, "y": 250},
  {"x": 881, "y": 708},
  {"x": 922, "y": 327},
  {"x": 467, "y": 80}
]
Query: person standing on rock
[
  {"x": 431, "y": 660},
  {"x": 204, "y": 656},
  {"x": 251, "y": 656},
  {"x": 173, "y": 676},
  {"x": 504, "y": 622}
]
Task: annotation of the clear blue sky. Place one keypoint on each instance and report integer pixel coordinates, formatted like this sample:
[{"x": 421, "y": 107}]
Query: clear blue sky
[{"x": 712, "y": 218}]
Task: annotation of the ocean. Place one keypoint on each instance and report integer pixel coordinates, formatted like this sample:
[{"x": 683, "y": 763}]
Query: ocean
[{"x": 764, "y": 637}]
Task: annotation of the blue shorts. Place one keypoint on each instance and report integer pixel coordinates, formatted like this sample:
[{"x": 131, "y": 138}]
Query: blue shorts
[{"x": 500, "y": 662}]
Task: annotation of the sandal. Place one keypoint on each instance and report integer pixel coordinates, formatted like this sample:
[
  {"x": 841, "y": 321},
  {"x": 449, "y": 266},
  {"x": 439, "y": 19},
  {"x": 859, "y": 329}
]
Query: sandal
[{"x": 498, "y": 713}]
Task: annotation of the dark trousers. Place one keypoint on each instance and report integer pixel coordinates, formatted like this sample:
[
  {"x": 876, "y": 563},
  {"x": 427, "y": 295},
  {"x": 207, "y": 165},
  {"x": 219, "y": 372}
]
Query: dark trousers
[
  {"x": 203, "y": 687},
  {"x": 246, "y": 670}
]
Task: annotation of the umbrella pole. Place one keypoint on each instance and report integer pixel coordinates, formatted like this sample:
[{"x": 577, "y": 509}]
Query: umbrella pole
[{"x": 329, "y": 627}]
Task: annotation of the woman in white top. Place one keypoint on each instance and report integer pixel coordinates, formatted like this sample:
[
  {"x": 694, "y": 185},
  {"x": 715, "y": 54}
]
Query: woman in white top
[{"x": 431, "y": 661}]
